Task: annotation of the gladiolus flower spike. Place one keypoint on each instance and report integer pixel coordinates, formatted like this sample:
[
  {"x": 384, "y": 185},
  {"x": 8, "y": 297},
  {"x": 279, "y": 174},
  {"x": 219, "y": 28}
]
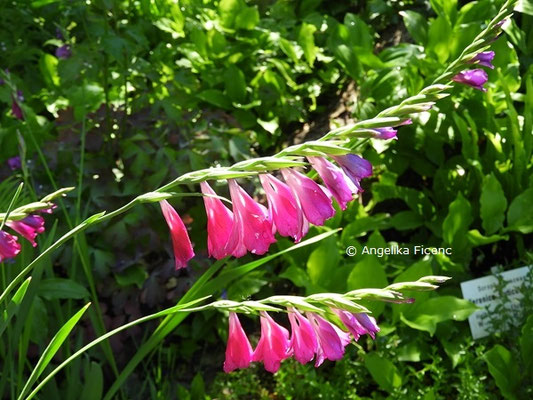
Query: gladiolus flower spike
[{"x": 312, "y": 336}]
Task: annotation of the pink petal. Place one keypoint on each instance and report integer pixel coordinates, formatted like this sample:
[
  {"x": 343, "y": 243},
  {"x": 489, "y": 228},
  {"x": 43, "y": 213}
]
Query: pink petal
[
  {"x": 303, "y": 342},
  {"x": 315, "y": 203},
  {"x": 219, "y": 223},
  {"x": 340, "y": 186},
  {"x": 9, "y": 247},
  {"x": 273, "y": 346},
  {"x": 181, "y": 243},
  {"x": 252, "y": 227},
  {"x": 284, "y": 208},
  {"x": 238, "y": 350}
]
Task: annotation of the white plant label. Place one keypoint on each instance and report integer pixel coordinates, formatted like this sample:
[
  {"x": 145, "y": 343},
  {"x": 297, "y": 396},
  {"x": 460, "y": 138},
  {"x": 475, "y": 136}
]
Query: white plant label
[{"x": 482, "y": 292}]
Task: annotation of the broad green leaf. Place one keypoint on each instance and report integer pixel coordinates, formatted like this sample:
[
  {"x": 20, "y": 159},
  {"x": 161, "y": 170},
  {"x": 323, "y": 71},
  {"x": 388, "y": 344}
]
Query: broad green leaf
[
  {"x": 134, "y": 275},
  {"x": 416, "y": 25},
  {"x": 235, "y": 84},
  {"x": 51, "y": 350},
  {"x": 504, "y": 369},
  {"x": 215, "y": 97},
  {"x": 439, "y": 42},
  {"x": 48, "y": 66},
  {"x": 445, "y": 8},
  {"x": 526, "y": 344},
  {"x": 426, "y": 315},
  {"x": 405, "y": 220},
  {"x": 368, "y": 273},
  {"x": 60, "y": 288},
  {"x": 94, "y": 383},
  {"x": 477, "y": 239},
  {"x": 493, "y": 204},
  {"x": 383, "y": 371},
  {"x": 247, "y": 18},
  {"x": 456, "y": 223},
  {"x": 85, "y": 98},
  {"x": 520, "y": 213},
  {"x": 307, "y": 41},
  {"x": 323, "y": 262},
  {"x": 228, "y": 11}
]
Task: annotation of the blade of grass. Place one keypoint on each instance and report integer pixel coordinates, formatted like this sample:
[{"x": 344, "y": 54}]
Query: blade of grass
[
  {"x": 52, "y": 349},
  {"x": 13, "y": 305},
  {"x": 159, "y": 314}
]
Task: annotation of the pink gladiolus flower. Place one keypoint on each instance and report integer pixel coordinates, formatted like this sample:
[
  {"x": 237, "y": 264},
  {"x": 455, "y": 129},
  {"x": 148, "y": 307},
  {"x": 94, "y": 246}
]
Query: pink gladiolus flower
[
  {"x": 284, "y": 208},
  {"x": 314, "y": 202},
  {"x": 238, "y": 350},
  {"x": 340, "y": 186},
  {"x": 28, "y": 227},
  {"x": 473, "y": 77},
  {"x": 484, "y": 58},
  {"x": 219, "y": 223},
  {"x": 181, "y": 243},
  {"x": 252, "y": 226},
  {"x": 331, "y": 340},
  {"x": 273, "y": 346},
  {"x": 355, "y": 167},
  {"x": 303, "y": 343},
  {"x": 358, "y": 323},
  {"x": 9, "y": 247}
]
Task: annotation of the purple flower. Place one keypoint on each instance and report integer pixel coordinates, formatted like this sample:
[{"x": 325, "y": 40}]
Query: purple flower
[
  {"x": 484, "y": 58},
  {"x": 181, "y": 243},
  {"x": 314, "y": 202},
  {"x": 358, "y": 323},
  {"x": 355, "y": 167},
  {"x": 14, "y": 163},
  {"x": 9, "y": 247},
  {"x": 340, "y": 186},
  {"x": 284, "y": 208},
  {"x": 28, "y": 227},
  {"x": 238, "y": 350},
  {"x": 252, "y": 225},
  {"x": 273, "y": 346},
  {"x": 16, "y": 110},
  {"x": 331, "y": 340},
  {"x": 386, "y": 133},
  {"x": 472, "y": 77},
  {"x": 63, "y": 52},
  {"x": 219, "y": 223}
]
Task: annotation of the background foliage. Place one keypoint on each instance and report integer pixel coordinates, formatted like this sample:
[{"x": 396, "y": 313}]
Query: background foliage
[{"x": 154, "y": 89}]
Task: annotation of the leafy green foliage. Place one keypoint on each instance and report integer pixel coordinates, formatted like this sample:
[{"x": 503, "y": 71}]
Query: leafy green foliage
[{"x": 156, "y": 89}]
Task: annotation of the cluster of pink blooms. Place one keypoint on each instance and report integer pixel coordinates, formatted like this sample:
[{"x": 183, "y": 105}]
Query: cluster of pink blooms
[
  {"x": 311, "y": 336},
  {"x": 293, "y": 204},
  {"x": 28, "y": 227}
]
